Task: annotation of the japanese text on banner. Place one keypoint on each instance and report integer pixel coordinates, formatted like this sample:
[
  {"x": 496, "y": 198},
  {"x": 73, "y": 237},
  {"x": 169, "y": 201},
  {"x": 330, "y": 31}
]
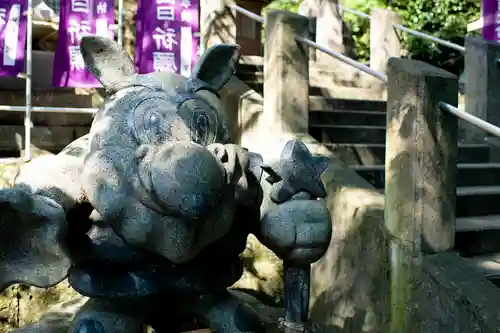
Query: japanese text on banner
[
  {"x": 79, "y": 18},
  {"x": 166, "y": 36},
  {"x": 12, "y": 36},
  {"x": 491, "y": 19}
]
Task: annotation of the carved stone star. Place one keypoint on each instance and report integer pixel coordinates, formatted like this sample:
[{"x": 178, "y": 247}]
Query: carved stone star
[{"x": 297, "y": 170}]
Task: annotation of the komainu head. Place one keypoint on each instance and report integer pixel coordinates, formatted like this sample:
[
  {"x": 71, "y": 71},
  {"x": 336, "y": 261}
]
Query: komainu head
[{"x": 157, "y": 165}]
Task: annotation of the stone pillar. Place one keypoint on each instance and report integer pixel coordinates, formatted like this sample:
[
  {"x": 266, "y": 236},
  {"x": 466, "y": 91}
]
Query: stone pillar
[
  {"x": 482, "y": 71},
  {"x": 309, "y": 10},
  {"x": 384, "y": 41},
  {"x": 329, "y": 30},
  {"x": 286, "y": 72},
  {"x": 217, "y": 23},
  {"x": 420, "y": 171}
]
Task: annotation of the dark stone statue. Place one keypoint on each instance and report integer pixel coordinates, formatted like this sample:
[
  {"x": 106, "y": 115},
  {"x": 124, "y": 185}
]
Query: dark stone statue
[{"x": 147, "y": 214}]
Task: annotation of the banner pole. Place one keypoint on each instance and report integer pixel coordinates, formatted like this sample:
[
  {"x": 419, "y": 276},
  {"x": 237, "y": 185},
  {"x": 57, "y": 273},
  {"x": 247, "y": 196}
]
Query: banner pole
[
  {"x": 120, "y": 22},
  {"x": 29, "y": 70}
]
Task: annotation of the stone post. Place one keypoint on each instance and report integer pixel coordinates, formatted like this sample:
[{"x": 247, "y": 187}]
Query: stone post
[
  {"x": 384, "y": 41},
  {"x": 286, "y": 72},
  {"x": 420, "y": 171},
  {"x": 482, "y": 71},
  {"x": 217, "y": 23},
  {"x": 310, "y": 11},
  {"x": 329, "y": 30}
]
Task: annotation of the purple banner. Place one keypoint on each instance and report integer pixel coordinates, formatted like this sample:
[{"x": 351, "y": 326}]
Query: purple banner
[
  {"x": 491, "y": 19},
  {"x": 12, "y": 36},
  {"x": 79, "y": 18},
  {"x": 167, "y": 35}
]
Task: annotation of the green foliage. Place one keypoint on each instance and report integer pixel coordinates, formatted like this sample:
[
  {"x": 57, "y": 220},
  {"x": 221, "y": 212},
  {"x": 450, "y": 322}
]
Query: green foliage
[
  {"x": 445, "y": 19},
  {"x": 360, "y": 26},
  {"x": 291, "y": 5}
]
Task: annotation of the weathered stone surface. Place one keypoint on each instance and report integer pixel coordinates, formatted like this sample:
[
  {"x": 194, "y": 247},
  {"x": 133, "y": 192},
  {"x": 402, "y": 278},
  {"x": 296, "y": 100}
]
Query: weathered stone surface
[
  {"x": 453, "y": 297},
  {"x": 384, "y": 40},
  {"x": 329, "y": 29},
  {"x": 22, "y": 305},
  {"x": 263, "y": 270},
  {"x": 421, "y": 138},
  {"x": 420, "y": 205},
  {"x": 349, "y": 283}
]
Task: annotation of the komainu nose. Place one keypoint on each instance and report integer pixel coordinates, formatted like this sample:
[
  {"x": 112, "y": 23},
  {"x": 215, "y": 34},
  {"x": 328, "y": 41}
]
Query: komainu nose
[{"x": 188, "y": 180}]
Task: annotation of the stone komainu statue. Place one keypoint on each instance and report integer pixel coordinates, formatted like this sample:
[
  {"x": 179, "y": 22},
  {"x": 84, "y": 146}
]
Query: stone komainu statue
[{"x": 148, "y": 213}]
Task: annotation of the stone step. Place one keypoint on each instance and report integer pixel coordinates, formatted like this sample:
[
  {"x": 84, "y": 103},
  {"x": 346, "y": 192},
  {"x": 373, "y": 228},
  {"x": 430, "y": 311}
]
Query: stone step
[
  {"x": 50, "y": 138},
  {"x": 373, "y": 153},
  {"x": 326, "y": 133},
  {"x": 475, "y": 200},
  {"x": 324, "y": 92},
  {"x": 318, "y": 90},
  {"x": 470, "y": 174},
  {"x": 487, "y": 264},
  {"x": 245, "y": 74},
  {"x": 248, "y": 68},
  {"x": 478, "y": 201},
  {"x": 47, "y": 118},
  {"x": 477, "y": 235},
  {"x": 335, "y": 104},
  {"x": 478, "y": 223},
  {"x": 318, "y": 118}
]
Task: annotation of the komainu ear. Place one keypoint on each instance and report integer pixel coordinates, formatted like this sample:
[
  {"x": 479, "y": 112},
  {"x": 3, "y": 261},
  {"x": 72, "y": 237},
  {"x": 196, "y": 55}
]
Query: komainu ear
[
  {"x": 106, "y": 60},
  {"x": 217, "y": 65}
]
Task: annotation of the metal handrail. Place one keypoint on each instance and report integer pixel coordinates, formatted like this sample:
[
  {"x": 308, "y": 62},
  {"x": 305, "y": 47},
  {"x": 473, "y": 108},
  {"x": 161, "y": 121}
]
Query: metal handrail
[
  {"x": 337, "y": 55},
  {"x": 334, "y": 54},
  {"x": 416, "y": 33},
  {"x": 355, "y": 12},
  {"x": 48, "y": 109},
  {"x": 451, "y": 45},
  {"x": 478, "y": 122},
  {"x": 247, "y": 13}
]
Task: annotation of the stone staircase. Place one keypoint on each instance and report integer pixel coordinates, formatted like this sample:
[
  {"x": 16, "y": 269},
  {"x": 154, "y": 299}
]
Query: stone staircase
[
  {"x": 51, "y": 132},
  {"x": 355, "y": 130}
]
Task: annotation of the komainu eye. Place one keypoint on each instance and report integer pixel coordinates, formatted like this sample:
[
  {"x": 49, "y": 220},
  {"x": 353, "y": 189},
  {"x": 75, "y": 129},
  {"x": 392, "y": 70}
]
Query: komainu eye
[
  {"x": 201, "y": 119},
  {"x": 149, "y": 120},
  {"x": 153, "y": 124},
  {"x": 201, "y": 126}
]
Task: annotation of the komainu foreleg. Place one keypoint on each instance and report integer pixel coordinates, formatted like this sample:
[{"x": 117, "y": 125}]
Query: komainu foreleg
[
  {"x": 106, "y": 316},
  {"x": 224, "y": 313}
]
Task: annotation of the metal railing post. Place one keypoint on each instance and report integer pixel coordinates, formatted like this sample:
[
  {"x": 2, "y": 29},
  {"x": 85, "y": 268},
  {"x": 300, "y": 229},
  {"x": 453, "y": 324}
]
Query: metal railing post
[
  {"x": 120, "y": 22},
  {"x": 29, "y": 72}
]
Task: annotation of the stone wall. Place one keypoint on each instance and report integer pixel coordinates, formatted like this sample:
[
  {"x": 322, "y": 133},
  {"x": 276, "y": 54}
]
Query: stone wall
[{"x": 455, "y": 298}]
